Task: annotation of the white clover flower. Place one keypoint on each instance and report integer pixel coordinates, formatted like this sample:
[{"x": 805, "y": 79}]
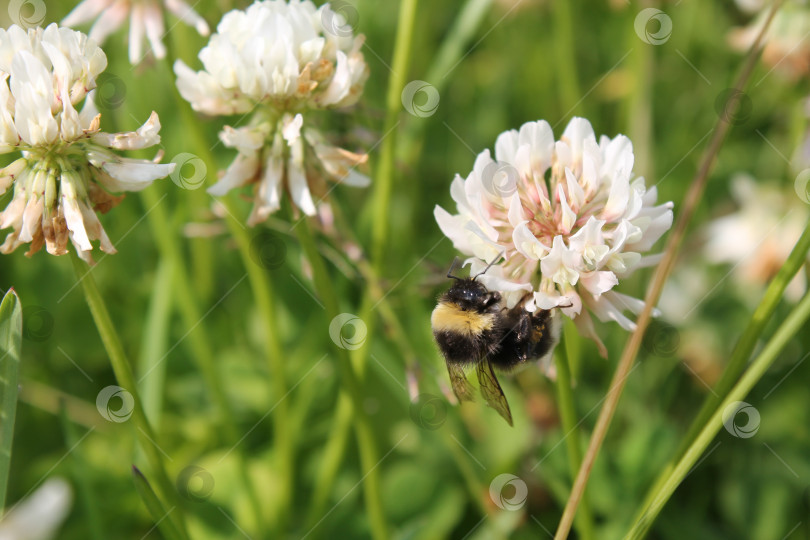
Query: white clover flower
[
  {"x": 279, "y": 61},
  {"x": 569, "y": 217},
  {"x": 145, "y": 18},
  {"x": 759, "y": 236},
  {"x": 67, "y": 166}
]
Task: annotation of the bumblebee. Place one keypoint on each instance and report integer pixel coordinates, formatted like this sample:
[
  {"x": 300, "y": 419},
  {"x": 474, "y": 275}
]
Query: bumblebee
[{"x": 472, "y": 327}]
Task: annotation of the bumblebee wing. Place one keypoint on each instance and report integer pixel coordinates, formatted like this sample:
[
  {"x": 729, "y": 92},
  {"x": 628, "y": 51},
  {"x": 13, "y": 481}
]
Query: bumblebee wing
[
  {"x": 458, "y": 379},
  {"x": 491, "y": 390}
]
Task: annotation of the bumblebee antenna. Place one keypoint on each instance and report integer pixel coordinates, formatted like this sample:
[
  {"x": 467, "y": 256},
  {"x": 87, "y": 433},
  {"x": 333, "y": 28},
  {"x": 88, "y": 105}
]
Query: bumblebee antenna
[
  {"x": 484, "y": 271},
  {"x": 453, "y": 267}
]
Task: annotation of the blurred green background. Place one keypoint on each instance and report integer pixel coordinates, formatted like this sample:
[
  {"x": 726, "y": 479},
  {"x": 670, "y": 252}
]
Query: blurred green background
[{"x": 527, "y": 60}]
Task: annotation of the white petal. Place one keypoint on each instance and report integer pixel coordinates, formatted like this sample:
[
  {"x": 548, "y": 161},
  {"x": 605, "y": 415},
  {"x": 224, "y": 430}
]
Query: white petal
[
  {"x": 297, "y": 179},
  {"x": 241, "y": 171}
]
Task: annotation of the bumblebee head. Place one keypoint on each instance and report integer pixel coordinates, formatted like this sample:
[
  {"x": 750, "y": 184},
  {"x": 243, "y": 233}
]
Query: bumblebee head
[{"x": 469, "y": 295}]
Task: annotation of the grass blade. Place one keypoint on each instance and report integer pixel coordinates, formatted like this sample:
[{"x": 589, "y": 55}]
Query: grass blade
[
  {"x": 10, "y": 343},
  {"x": 156, "y": 509}
]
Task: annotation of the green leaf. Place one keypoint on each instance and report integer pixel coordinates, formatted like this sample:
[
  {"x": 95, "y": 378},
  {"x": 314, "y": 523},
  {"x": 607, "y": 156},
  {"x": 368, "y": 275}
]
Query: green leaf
[
  {"x": 156, "y": 508},
  {"x": 10, "y": 343}
]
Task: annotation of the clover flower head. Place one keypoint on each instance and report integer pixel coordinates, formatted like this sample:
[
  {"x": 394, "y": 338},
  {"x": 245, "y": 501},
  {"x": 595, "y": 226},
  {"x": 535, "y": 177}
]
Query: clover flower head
[
  {"x": 568, "y": 216},
  {"x": 145, "y": 19},
  {"x": 278, "y": 61},
  {"x": 67, "y": 167}
]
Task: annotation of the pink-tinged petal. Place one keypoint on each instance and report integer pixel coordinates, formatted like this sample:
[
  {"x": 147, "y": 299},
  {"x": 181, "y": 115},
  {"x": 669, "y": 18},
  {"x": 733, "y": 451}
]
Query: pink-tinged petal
[
  {"x": 569, "y": 218},
  {"x": 516, "y": 214},
  {"x": 599, "y": 282},
  {"x": 241, "y": 171},
  {"x": 617, "y": 200},
  {"x": 575, "y": 192},
  {"x": 527, "y": 244}
]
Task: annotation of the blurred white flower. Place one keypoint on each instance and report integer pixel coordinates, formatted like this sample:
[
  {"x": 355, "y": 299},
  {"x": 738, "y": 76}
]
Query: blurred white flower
[
  {"x": 278, "y": 61},
  {"x": 758, "y": 238},
  {"x": 569, "y": 216},
  {"x": 67, "y": 166},
  {"x": 39, "y": 516},
  {"x": 145, "y": 18},
  {"x": 786, "y": 48}
]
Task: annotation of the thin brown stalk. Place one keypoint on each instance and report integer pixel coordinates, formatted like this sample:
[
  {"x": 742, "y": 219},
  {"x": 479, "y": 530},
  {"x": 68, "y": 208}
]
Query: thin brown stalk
[{"x": 662, "y": 272}]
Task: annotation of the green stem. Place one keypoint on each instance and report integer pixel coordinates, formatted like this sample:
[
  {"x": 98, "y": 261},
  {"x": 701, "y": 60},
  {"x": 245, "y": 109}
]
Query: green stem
[
  {"x": 742, "y": 352},
  {"x": 384, "y": 179},
  {"x": 197, "y": 340},
  {"x": 331, "y": 459},
  {"x": 123, "y": 374},
  {"x": 154, "y": 343},
  {"x": 350, "y": 385},
  {"x": 794, "y": 322},
  {"x": 568, "y": 416},
  {"x": 264, "y": 297}
]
